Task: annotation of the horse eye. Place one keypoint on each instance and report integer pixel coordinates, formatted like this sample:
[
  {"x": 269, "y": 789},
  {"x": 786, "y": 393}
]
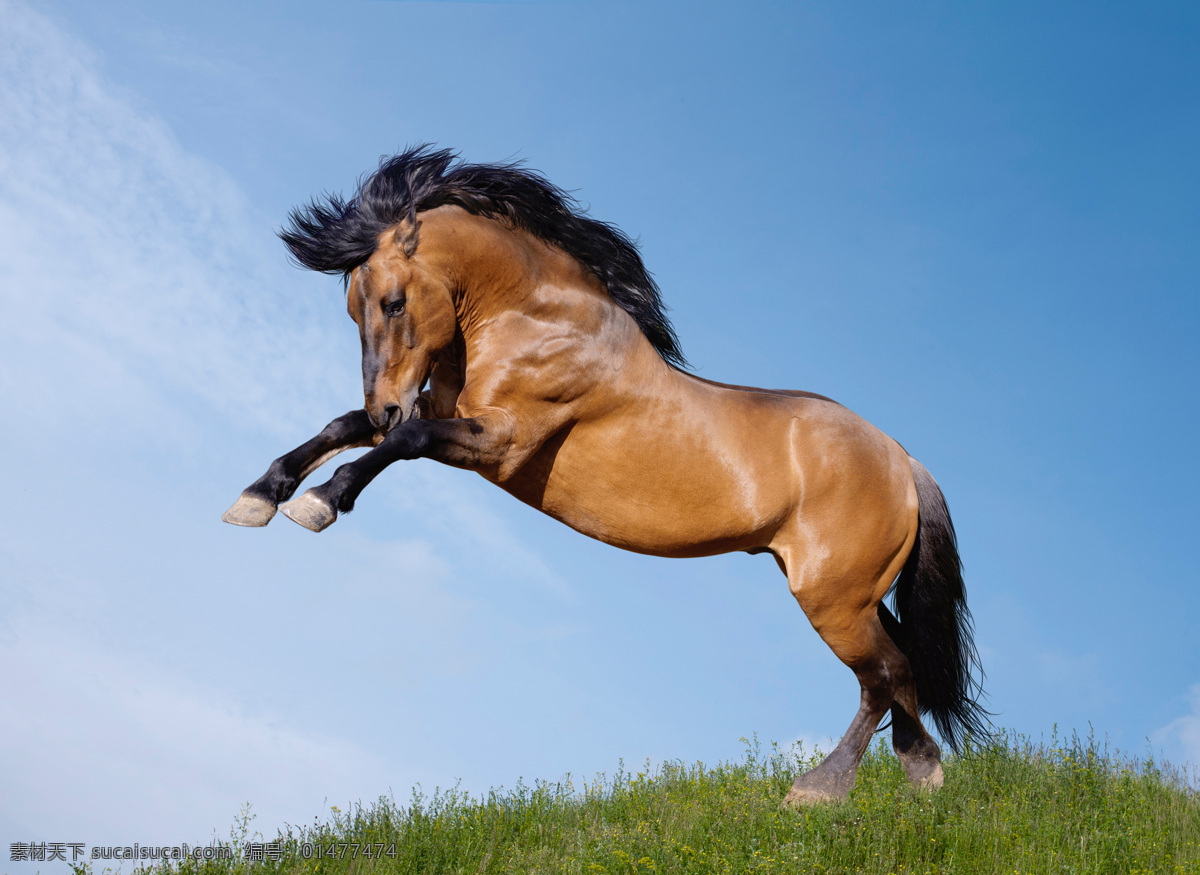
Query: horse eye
[{"x": 394, "y": 308}]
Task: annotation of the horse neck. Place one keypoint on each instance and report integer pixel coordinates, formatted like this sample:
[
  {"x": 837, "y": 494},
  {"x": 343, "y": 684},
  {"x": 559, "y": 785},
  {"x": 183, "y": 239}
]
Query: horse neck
[{"x": 499, "y": 270}]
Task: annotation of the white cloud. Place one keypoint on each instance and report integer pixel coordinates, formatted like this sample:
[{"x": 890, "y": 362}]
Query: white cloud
[
  {"x": 1179, "y": 740},
  {"x": 135, "y": 280},
  {"x": 148, "y": 312},
  {"x": 806, "y": 744},
  {"x": 135, "y": 258},
  {"x": 128, "y": 739},
  {"x": 426, "y": 490}
]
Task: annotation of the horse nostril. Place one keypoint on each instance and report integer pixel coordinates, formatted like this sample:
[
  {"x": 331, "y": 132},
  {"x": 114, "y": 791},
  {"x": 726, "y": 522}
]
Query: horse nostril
[
  {"x": 382, "y": 418},
  {"x": 391, "y": 415}
]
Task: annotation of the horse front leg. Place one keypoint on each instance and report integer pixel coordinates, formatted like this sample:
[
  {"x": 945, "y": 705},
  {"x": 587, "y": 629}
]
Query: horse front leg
[
  {"x": 465, "y": 443},
  {"x": 259, "y": 501}
]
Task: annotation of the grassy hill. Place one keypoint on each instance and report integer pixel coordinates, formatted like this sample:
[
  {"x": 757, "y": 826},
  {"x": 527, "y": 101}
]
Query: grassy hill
[{"x": 1009, "y": 807}]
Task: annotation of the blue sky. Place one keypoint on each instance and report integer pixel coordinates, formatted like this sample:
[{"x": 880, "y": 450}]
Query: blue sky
[{"x": 976, "y": 225}]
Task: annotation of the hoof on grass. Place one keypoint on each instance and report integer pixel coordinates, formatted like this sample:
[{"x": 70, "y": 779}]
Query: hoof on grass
[
  {"x": 310, "y": 512},
  {"x": 819, "y": 787},
  {"x": 801, "y": 798},
  {"x": 933, "y": 780},
  {"x": 249, "y": 510}
]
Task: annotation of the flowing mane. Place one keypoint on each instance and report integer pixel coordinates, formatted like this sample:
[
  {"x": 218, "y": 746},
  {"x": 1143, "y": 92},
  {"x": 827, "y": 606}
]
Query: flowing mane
[{"x": 335, "y": 236}]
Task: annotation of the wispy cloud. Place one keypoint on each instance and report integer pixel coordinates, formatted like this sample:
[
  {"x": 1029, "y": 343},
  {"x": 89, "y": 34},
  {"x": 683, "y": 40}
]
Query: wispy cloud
[
  {"x": 148, "y": 311},
  {"x": 168, "y": 752},
  {"x": 141, "y": 291},
  {"x": 139, "y": 258},
  {"x": 1179, "y": 740},
  {"x": 809, "y": 744},
  {"x": 464, "y": 517}
]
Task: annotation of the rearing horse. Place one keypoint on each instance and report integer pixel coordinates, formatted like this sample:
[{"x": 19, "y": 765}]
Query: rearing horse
[{"x": 553, "y": 372}]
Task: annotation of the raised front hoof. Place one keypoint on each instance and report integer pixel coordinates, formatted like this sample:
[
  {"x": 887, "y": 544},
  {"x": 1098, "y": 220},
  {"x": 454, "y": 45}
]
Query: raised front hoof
[
  {"x": 818, "y": 788},
  {"x": 250, "y": 510},
  {"x": 310, "y": 512}
]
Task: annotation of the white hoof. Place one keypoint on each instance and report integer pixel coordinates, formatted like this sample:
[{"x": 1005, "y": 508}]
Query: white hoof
[
  {"x": 249, "y": 510},
  {"x": 310, "y": 512}
]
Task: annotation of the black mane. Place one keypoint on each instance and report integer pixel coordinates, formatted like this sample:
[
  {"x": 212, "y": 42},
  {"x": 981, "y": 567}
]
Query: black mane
[{"x": 335, "y": 236}]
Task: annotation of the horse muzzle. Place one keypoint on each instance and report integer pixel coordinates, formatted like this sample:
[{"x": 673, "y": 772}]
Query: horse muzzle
[{"x": 388, "y": 416}]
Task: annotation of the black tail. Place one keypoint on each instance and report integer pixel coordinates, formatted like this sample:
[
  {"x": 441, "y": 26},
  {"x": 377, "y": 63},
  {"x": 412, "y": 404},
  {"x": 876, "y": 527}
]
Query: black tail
[{"x": 936, "y": 628}]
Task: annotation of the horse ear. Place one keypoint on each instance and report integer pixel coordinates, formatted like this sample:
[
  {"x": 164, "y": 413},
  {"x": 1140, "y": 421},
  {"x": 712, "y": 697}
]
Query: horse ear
[{"x": 407, "y": 237}]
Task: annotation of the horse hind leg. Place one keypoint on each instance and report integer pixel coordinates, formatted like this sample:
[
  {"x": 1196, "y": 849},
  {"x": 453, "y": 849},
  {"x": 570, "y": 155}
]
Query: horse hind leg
[
  {"x": 914, "y": 746},
  {"x": 853, "y": 630}
]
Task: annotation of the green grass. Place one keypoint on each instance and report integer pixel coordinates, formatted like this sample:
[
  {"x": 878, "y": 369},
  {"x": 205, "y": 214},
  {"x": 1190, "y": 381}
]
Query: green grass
[{"x": 1009, "y": 807}]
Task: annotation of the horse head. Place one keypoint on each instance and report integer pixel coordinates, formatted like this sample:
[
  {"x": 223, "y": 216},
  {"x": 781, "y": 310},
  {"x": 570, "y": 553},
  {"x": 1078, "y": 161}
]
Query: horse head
[{"x": 406, "y": 317}]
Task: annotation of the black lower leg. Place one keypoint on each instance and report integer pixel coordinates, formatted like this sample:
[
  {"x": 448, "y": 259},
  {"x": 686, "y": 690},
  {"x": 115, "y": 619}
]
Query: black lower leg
[
  {"x": 834, "y": 777},
  {"x": 286, "y": 473},
  {"x": 916, "y": 749},
  {"x": 342, "y": 489}
]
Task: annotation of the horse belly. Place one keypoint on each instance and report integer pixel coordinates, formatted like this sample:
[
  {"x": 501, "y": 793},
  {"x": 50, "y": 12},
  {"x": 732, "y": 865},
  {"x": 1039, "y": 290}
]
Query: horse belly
[{"x": 667, "y": 492}]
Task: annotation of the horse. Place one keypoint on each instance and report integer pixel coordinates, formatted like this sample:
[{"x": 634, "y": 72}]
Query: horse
[{"x": 507, "y": 332}]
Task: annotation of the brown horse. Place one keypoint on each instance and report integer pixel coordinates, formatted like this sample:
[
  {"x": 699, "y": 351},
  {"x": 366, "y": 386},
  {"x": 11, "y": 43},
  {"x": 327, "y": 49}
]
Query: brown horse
[{"x": 553, "y": 372}]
